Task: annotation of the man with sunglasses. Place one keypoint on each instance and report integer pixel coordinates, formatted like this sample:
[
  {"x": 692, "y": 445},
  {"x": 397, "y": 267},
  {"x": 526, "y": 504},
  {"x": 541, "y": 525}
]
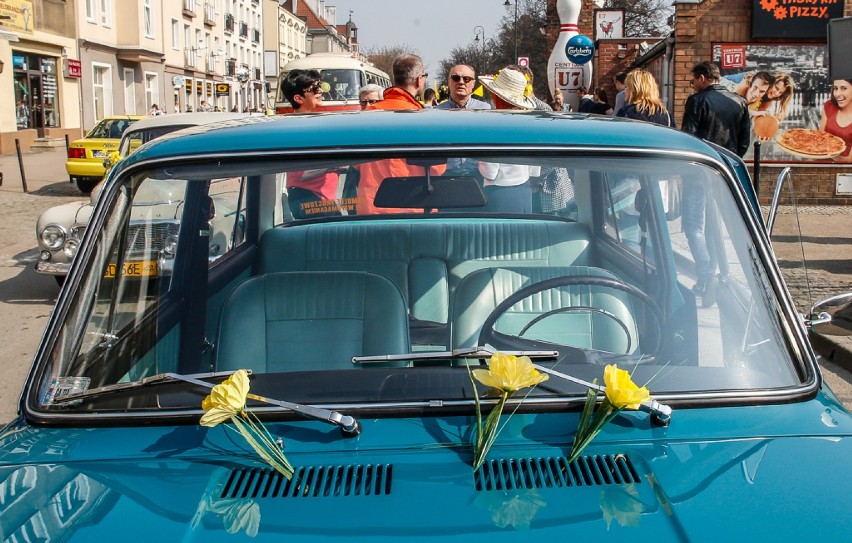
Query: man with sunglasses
[{"x": 462, "y": 80}]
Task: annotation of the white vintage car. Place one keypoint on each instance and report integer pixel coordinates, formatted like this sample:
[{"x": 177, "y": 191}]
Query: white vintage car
[{"x": 60, "y": 228}]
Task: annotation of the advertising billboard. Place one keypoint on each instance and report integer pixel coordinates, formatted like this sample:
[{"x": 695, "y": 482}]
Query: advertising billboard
[{"x": 789, "y": 93}]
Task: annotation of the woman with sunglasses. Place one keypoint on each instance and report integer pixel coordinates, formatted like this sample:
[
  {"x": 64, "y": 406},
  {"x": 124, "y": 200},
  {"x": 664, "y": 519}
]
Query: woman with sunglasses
[
  {"x": 303, "y": 89},
  {"x": 462, "y": 81},
  {"x": 310, "y": 193}
]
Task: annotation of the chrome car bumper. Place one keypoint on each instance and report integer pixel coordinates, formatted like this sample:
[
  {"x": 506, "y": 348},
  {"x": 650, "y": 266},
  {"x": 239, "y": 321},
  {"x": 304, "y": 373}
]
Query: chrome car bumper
[{"x": 52, "y": 268}]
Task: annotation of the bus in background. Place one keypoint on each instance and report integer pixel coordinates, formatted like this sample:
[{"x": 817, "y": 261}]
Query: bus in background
[{"x": 341, "y": 78}]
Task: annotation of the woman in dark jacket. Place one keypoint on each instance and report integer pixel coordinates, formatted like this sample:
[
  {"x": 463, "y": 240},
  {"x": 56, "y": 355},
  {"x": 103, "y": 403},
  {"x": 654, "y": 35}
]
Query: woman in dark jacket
[{"x": 642, "y": 99}]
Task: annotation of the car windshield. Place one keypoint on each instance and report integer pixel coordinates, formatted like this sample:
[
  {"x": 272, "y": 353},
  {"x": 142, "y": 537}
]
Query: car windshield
[
  {"x": 311, "y": 271},
  {"x": 110, "y": 128}
]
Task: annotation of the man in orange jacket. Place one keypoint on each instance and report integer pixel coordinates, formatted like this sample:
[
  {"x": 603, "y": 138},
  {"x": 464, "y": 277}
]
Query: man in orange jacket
[{"x": 410, "y": 77}]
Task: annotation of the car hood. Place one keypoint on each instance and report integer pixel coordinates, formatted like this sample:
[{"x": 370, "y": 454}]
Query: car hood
[
  {"x": 195, "y": 484},
  {"x": 69, "y": 214}
]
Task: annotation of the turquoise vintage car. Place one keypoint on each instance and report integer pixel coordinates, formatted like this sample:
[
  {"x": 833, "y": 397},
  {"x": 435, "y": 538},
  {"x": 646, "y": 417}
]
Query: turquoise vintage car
[{"x": 374, "y": 260}]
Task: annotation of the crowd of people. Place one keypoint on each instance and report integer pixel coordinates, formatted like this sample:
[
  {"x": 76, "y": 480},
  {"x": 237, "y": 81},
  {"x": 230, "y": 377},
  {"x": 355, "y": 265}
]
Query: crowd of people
[{"x": 712, "y": 112}]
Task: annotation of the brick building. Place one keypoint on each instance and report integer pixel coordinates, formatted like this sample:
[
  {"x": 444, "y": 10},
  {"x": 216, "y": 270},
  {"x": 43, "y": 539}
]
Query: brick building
[{"x": 703, "y": 30}]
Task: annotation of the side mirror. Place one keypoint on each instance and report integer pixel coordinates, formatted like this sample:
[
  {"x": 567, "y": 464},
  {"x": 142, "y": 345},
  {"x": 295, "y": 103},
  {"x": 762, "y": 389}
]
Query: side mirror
[{"x": 832, "y": 316}]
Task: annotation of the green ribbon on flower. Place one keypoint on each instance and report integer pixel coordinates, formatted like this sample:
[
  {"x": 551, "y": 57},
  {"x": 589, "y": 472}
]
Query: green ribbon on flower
[
  {"x": 620, "y": 393},
  {"x": 507, "y": 374},
  {"x": 227, "y": 401}
]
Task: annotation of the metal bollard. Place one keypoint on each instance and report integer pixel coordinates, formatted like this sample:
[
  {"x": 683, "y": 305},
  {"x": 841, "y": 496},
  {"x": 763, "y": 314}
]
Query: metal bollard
[
  {"x": 21, "y": 164},
  {"x": 756, "y": 170},
  {"x": 67, "y": 145}
]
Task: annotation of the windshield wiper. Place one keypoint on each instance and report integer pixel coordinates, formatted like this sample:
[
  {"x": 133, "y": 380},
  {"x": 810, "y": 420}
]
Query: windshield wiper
[
  {"x": 348, "y": 425},
  {"x": 661, "y": 412},
  {"x": 467, "y": 352}
]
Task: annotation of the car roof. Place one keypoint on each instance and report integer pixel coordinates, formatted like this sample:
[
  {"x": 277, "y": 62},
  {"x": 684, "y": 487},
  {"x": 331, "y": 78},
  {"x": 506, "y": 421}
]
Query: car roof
[
  {"x": 372, "y": 129},
  {"x": 184, "y": 119},
  {"x": 122, "y": 117}
]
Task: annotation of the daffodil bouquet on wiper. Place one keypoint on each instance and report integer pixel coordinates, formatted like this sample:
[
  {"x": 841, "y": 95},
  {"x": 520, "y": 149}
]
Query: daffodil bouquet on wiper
[
  {"x": 506, "y": 374},
  {"x": 620, "y": 393},
  {"x": 227, "y": 400}
]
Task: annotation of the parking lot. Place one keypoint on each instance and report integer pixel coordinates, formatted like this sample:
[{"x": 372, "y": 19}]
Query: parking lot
[{"x": 27, "y": 298}]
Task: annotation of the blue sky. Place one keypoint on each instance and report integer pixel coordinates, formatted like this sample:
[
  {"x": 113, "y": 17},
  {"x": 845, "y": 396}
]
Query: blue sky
[{"x": 432, "y": 27}]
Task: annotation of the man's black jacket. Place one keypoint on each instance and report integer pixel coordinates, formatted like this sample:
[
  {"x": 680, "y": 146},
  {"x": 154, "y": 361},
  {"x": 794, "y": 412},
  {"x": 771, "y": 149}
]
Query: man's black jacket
[{"x": 720, "y": 116}]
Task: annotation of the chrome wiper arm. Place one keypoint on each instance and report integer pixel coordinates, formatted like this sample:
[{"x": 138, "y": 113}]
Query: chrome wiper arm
[
  {"x": 348, "y": 425},
  {"x": 662, "y": 412},
  {"x": 467, "y": 352},
  {"x": 153, "y": 379}
]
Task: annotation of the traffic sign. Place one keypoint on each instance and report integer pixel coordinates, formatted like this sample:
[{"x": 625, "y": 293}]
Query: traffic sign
[{"x": 523, "y": 61}]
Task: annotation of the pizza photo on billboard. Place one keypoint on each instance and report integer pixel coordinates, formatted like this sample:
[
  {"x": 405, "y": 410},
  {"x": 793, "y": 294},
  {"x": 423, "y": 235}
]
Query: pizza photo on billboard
[{"x": 812, "y": 144}]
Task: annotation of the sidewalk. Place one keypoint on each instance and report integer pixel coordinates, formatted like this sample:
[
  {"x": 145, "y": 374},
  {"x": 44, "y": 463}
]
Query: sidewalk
[{"x": 826, "y": 232}]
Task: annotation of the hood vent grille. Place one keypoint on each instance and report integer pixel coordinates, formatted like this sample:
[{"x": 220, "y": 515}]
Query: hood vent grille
[
  {"x": 311, "y": 482},
  {"x": 528, "y": 473}
]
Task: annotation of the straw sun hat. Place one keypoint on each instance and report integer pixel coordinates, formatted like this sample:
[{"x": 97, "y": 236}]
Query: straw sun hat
[{"x": 512, "y": 86}]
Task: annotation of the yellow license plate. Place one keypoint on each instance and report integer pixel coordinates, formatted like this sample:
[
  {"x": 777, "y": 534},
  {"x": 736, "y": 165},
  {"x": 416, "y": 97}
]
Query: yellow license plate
[{"x": 145, "y": 268}]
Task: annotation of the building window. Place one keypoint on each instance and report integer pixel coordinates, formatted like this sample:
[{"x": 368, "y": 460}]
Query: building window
[
  {"x": 175, "y": 34},
  {"x": 148, "y": 18},
  {"x": 129, "y": 92},
  {"x": 102, "y": 90},
  {"x": 91, "y": 10},
  {"x": 152, "y": 92},
  {"x": 106, "y": 13}
]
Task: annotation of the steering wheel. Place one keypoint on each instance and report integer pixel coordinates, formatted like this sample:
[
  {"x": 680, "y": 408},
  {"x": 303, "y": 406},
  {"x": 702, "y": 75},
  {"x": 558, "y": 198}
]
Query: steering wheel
[{"x": 489, "y": 335}]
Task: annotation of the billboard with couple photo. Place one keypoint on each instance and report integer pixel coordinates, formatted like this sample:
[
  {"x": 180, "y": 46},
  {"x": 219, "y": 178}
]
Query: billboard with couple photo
[{"x": 793, "y": 103}]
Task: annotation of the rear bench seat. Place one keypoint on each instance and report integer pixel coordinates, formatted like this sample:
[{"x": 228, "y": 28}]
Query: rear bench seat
[{"x": 425, "y": 259}]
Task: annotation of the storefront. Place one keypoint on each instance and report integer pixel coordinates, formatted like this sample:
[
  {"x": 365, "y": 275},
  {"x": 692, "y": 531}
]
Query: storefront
[{"x": 35, "y": 88}]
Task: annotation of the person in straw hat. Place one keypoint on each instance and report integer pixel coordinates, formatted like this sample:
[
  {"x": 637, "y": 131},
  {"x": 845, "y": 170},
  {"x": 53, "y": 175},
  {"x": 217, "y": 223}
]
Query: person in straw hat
[
  {"x": 507, "y": 186},
  {"x": 510, "y": 89}
]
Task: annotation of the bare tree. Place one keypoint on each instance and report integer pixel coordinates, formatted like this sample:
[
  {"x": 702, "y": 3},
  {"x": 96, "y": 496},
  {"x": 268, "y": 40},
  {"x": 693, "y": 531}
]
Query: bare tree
[
  {"x": 644, "y": 17},
  {"x": 382, "y": 55}
]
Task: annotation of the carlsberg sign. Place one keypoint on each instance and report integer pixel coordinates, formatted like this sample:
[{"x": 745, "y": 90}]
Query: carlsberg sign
[{"x": 580, "y": 49}]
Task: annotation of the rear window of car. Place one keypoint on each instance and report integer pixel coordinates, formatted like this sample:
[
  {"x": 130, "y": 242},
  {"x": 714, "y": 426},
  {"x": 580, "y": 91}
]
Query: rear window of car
[{"x": 110, "y": 128}]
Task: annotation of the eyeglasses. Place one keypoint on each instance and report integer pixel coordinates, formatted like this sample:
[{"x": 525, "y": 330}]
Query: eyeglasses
[
  {"x": 424, "y": 75},
  {"x": 316, "y": 88},
  {"x": 367, "y": 102},
  {"x": 457, "y": 78}
]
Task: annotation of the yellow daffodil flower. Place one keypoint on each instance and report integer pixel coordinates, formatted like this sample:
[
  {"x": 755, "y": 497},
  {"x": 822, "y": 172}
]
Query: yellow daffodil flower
[
  {"x": 509, "y": 373},
  {"x": 227, "y": 399},
  {"x": 621, "y": 391}
]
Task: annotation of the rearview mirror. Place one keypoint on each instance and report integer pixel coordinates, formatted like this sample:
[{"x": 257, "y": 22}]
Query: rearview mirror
[{"x": 438, "y": 192}]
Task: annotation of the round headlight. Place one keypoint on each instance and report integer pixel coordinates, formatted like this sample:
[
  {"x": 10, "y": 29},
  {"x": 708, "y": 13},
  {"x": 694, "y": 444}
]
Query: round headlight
[
  {"x": 170, "y": 246},
  {"x": 70, "y": 247},
  {"x": 53, "y": 236}
]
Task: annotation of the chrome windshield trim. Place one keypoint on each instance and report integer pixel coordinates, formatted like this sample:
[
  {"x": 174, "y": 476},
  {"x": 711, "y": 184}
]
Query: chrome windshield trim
[{"x": 765, "y": 396}]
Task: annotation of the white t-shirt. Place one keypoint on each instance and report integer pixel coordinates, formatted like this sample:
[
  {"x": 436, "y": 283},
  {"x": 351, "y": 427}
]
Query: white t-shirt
[{"x": 507, "y": 175}]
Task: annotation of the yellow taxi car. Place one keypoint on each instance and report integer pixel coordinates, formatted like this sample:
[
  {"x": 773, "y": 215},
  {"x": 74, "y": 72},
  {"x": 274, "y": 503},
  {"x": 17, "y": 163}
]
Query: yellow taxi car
[{"x": 85, "y": 162}]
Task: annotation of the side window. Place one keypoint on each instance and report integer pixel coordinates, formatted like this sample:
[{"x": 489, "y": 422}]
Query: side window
[
  {"x": 625, "y": 215},
  {"x": 227, "y": 215}
]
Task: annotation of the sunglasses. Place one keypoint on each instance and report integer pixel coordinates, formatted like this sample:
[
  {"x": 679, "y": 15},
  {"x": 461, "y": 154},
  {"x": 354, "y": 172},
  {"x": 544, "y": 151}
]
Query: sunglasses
[
  {"x": 367, "y": 102},
  {"x": 316, "y": 88},
  {"x": 457, "y": 78}
]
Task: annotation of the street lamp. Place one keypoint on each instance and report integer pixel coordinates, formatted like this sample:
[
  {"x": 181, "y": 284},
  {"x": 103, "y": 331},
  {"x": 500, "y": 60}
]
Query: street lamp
[
  {"x": 477, "y": 32},
  {"x": 507, "y": 5}
]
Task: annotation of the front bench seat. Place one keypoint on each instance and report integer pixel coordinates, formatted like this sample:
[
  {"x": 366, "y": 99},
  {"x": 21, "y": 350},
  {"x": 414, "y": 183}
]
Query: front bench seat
[
  {"x": 483, "y": 290},
  {"x": 295, "y": 321}
]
